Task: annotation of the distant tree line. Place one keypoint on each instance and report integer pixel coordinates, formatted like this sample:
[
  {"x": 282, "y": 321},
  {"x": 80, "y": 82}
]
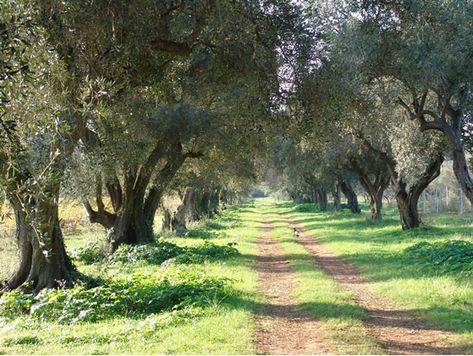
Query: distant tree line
[{"x": 384, "y": 100}]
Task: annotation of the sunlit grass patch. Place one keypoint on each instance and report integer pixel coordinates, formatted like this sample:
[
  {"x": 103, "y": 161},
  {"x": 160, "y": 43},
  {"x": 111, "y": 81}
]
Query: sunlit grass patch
[{"x": 378, "y": 251}]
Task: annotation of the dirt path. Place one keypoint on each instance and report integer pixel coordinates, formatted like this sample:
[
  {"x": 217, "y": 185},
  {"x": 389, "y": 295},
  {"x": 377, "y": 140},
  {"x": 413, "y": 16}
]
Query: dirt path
[
  {"x": 396, "y": 330},
  {"x": 280, "y": 327}
]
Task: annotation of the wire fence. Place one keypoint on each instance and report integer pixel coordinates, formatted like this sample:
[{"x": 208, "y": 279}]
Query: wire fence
[{"x": 444, "y": 198}]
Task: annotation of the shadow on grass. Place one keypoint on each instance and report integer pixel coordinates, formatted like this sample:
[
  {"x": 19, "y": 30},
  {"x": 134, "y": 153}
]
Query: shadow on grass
[
  {"x": 404, "y": 319},
  {"x": 449, "y": 319}
]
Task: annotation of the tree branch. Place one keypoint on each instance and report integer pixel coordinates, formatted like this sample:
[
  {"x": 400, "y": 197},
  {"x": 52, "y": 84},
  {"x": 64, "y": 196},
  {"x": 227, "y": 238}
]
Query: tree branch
[{"x": 194, "y": 154}]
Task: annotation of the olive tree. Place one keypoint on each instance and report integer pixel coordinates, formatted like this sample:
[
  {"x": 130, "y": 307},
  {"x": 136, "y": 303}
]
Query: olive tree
[
  {"x": 423, "y": 47},
  {"x": 35, "y": 128},
  {"x": 149, "y": 105}
]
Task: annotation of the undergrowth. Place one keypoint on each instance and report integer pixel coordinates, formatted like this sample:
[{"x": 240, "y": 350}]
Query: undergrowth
[
  {"x": 171, "y": 289},
  {"x": 152, "y": 253},
  {"x": 155, "y": 253},
  {"x": 308, "y": 208},
  {"x": 92, "y": 252},
  {"x": 445, "y": 257}
]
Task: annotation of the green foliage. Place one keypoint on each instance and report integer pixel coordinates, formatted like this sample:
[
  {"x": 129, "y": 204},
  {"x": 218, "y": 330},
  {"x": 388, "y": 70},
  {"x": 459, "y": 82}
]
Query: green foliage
[
  {"x": 307, "y": 208},
  {"x": 169, "y": 253},
  {"x": 24, "y": 340},
  {"x": 213, "y": 225},
  {"x": 212, "y": 251},
  {"x": 207, "y": 251},
  {"x": 153, "y": 253},
  {"x": 201, "y": 234},
  {"x": 91, "y": 253},
  {"x": 171, "y": 289},
  {"x": 446, "y": 257}
]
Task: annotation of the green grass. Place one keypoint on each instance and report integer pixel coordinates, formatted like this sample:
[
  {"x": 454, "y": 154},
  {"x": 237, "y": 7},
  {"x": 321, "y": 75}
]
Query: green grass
[
  {"x": 377, "y": 249},
  {"x": 319, "y": 294},
  {"x": 226, "y": 326}
]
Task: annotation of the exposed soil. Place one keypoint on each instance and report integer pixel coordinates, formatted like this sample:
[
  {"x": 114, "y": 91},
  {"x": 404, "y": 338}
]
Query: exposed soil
[
  {"x": 397, "y": 331},
  {"x": 280, "y": 327}
]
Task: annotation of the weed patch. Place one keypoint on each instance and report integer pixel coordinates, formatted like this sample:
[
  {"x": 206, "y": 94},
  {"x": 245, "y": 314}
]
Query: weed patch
[
  {"x": 152, "y": 253},
  {"x": 307, "y": 208},
  {"x": 172, "y": 289},
  {"x": 91, "y": 253},
  {"x": 446, "y": 257},
  {"x": 168, "y": 253},
  {"x": 205, "y": 252}
]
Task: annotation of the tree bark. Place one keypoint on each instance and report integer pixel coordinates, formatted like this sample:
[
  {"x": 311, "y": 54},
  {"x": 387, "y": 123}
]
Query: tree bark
[
  {"x": 451, "y": 129},
  {"x": 179, "y": 218},
  {"x": 202, "y": 207},
  {"x": 133, "y": 222},
  {"x": 375, "y": 190},
  {"x": 350, "y": 195},
  {"x": 407, "y": 199},
  {"x": 460, "y": 169},
  {"x": 166, "y": 223},
  {"x": 43, "y": 259},
  {"x": 129, "y": 226},
  {"x": 214, "y": 203},
  {"x": 337, "y": 206},
  {"x": 321, "y": 197}
]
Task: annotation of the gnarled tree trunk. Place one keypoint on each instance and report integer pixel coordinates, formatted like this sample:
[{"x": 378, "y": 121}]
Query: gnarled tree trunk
[
  {"x": 166, "y": 222},
  {"x": 134, "y": 208},
  {"x": 452, "y": 130},
  {"x": 43, "y": 261},
  {"x": 202, "y": 207},
  {"x": 375, "y": 190},
  {"x": 214, "y": 203},
  {"x": 321, "y": 199},
  {"x": 179, "y": 218},
  {"x": 350, "y": 195},
  {"x": 337, "y": 206},
  {"x": 407, "y": 199},
  {"x": 460, "y": 167}
]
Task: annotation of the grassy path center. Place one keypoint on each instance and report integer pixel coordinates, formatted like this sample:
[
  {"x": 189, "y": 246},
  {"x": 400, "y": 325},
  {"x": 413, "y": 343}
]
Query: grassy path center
[{"x": 281, "y": 328}]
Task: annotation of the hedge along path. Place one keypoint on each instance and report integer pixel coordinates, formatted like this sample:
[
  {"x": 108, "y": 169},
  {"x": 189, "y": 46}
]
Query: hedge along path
[
  {"x": 281, "y": 328},
  {"x": 397, "y": 331}
]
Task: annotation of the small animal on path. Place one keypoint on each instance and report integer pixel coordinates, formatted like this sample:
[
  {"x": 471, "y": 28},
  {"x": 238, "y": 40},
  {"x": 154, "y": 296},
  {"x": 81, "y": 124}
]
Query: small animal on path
[{"x": 296, "y": 232}]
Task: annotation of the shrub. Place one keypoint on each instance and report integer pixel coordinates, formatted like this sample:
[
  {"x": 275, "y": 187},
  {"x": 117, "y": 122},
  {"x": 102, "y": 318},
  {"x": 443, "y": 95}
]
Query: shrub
[
  {"x": 205, "y": 252},
  {"x": 166, "y": 253},
  {"x": 213, "y": 225},
  {"x": 90, "y": 253},
  {"x": 211, "y": 251},
  {"x": 443, "y": 257},
  {"x": 308, "y": 208},
  {"x": 201, "y": 234},
  {"x": 173, "y": 289},
  {"x": 152, "y": 253}
]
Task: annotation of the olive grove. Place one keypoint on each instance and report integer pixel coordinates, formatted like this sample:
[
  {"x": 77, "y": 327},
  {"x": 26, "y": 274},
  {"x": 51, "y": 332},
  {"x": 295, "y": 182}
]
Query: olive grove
[{"x": 118, "y": 104}]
